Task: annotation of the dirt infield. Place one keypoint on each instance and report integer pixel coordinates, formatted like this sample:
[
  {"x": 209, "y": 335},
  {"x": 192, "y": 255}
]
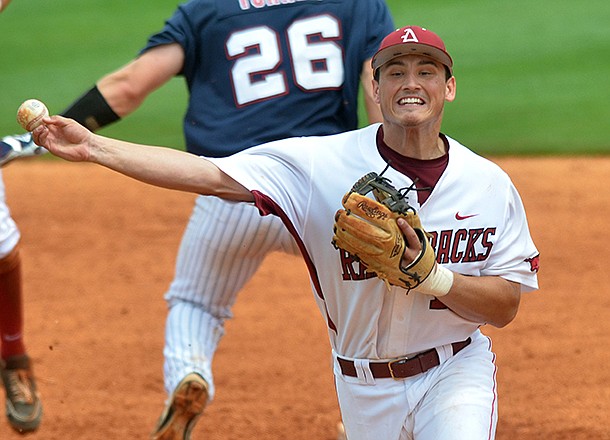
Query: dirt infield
[{"x": 98, "y": 253}]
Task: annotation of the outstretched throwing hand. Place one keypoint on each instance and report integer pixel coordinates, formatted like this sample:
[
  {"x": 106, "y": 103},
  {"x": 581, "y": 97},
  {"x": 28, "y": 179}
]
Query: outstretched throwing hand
[{"x": 64, "y": 138}]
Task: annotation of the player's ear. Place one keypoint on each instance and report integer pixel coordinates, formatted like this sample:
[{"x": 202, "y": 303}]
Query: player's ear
[
  {"x": 376, "y": 91},
  {"x": 450, "y": 89}
]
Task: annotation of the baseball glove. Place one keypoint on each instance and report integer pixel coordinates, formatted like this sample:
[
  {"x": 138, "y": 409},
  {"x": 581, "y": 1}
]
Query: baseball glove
[{"x": 367, "y": 229}]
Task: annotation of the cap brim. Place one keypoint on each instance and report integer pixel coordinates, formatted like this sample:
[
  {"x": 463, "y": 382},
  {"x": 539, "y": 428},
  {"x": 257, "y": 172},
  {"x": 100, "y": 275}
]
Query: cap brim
[{"x": 398, "y": 50}]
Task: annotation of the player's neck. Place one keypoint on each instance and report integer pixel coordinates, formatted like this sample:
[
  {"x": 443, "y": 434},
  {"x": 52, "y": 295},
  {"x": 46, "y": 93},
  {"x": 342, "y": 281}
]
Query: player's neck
[{"x": 417, "y": 143}]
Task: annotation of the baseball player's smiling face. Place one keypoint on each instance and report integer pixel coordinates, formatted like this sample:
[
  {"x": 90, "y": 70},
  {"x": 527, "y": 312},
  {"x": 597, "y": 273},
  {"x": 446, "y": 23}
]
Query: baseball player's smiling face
[{"x": 412, "y": 90}]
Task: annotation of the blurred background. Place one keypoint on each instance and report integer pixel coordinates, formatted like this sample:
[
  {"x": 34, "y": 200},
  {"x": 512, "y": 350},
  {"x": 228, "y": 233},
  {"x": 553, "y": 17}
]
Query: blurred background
[{"x": 532, "y": 76}]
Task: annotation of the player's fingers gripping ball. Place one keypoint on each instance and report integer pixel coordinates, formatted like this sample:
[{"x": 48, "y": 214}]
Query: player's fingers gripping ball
[
  {"x": 368, "y": 230},
  {"x": 31, "y": 113}
]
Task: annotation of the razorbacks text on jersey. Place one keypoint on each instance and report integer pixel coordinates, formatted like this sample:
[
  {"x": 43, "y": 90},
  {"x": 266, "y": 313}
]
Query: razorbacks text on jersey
[{"x": 310, "y": 177}]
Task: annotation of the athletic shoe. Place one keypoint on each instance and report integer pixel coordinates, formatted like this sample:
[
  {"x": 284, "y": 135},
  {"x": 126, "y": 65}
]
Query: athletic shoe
[
  {"x": 23, "y": 407},
  {"x": 183, "y": 410},
  {"x": 18, "y": 146}
]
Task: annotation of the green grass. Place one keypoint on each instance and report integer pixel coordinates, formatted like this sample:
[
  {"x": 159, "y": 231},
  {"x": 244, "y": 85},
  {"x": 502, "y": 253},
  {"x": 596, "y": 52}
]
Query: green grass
[
  {"x": 531, "y": 75},
  {"x": 56, "y": 50}
]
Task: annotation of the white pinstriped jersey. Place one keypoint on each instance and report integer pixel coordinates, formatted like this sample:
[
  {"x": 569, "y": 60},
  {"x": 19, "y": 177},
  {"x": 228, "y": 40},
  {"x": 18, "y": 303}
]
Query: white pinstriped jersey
[{"x": 475, "y": 215}]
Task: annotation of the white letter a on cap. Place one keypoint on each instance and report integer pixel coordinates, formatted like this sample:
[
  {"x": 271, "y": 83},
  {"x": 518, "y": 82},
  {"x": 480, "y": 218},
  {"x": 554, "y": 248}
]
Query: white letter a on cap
[{"x": 409, "y": 36}]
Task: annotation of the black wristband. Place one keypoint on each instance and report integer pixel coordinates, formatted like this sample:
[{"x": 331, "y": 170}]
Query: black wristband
[{"x": 91, "y": 110}]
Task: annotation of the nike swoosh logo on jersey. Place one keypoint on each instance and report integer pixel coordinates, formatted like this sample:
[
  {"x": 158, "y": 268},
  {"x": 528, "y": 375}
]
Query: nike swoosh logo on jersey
[{"x": 463, "y": 217}]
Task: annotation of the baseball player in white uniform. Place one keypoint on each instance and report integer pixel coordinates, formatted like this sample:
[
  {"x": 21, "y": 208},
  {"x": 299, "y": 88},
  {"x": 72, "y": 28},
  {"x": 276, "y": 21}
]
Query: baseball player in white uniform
[
  {"x": 22, "y": 401},
  {"x": 409, "y": 364}
]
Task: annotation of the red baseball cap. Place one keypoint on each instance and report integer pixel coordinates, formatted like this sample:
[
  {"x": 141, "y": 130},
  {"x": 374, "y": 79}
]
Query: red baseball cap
[{"x": 411, "y": 40}]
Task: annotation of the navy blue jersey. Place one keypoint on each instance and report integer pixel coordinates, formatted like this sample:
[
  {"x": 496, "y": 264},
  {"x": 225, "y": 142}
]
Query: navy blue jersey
[{"x": 262, "y": 70}]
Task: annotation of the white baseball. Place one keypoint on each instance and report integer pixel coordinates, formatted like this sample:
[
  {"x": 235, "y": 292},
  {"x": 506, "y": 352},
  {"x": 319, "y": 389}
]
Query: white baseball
[{"x": 30, "y": 114}]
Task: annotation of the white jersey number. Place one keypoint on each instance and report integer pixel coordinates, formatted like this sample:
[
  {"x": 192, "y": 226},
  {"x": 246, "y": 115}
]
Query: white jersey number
[{"x": 317, "y": 61}]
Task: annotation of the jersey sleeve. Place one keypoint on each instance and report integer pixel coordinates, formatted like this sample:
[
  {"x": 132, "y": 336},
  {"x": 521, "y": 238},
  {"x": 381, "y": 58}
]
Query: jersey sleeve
[
  {"x": 179, "y": 28},
  {"x": 380, "y": 23},
  {"x": 278, "y": 170},
  {"x": 515, "y": 256}
]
